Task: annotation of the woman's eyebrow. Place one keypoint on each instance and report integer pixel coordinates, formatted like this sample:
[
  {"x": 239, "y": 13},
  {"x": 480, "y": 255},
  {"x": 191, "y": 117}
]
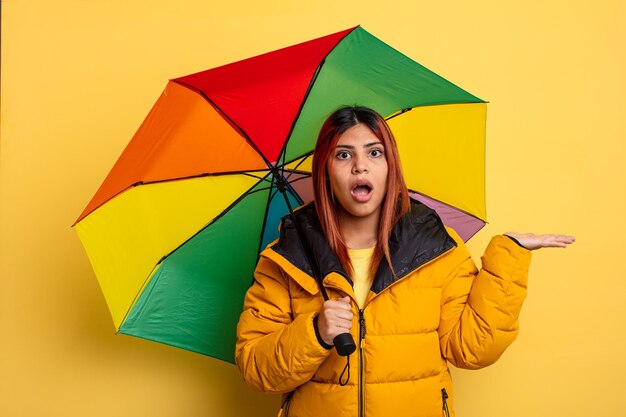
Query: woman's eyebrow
[{"x": 367, "y": 145}]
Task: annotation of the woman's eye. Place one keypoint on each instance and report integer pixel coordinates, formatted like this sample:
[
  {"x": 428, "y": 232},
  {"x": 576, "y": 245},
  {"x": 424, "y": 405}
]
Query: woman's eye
[
  {"x": 343, "y": 155},
  {"x": 376, "y": 153}
]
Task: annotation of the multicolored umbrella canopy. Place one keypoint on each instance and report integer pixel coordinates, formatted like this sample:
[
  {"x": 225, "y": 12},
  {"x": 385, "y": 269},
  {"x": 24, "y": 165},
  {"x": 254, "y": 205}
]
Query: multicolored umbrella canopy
[{"x": 174, "y": 232}]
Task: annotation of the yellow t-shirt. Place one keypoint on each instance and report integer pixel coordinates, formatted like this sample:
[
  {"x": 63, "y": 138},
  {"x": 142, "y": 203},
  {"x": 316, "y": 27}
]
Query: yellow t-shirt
[{"x": 361, "y": 260}]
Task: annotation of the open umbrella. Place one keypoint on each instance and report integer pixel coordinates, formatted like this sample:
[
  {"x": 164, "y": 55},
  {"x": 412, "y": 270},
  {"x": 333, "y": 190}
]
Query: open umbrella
[{"x": 174, "y": 232}]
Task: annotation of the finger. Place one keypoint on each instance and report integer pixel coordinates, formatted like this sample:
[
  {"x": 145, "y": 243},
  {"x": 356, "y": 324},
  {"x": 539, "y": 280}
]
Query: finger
[
  {"x": 557, "y": 245},
  {"x": 558, "y": 237},
  {"x": 552, "y": 245},
  {"x": 340, "y": 303},
  {"x": 343, "y": 315},
  {"x": 338, "y": 324},
  {"x": 331, "y": 313},
  {"x": 562, "y": 240},
  {"x": 566, "y": 240},
  {"x": 343, "y": 325},
  {"x": 345, "y": 299},
  {"x": 337, "y": 306}
]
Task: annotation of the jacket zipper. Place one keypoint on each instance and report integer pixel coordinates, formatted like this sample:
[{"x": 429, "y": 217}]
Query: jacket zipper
[
  {"x": 362, "y": 332},
  {"x": 361, "y": 387},
  {"x": 444, "y": 397}
]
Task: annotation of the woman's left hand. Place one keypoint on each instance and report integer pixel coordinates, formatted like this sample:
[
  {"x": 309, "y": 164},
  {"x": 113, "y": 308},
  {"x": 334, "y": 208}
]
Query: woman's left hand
[{"x": 532, "y": 241}]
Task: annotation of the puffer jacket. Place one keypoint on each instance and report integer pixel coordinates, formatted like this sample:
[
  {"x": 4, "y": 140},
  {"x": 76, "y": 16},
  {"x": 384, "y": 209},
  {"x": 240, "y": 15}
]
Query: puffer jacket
[{"x": 438, "y": 308}]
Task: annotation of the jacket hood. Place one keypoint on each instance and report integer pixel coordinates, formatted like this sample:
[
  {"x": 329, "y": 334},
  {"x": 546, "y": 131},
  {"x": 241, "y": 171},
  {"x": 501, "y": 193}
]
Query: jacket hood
[{"x": 417, "y": 238}]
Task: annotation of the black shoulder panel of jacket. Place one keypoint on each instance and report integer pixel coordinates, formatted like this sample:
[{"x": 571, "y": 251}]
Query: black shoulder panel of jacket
[
  {"x": 290, "y": 246},
  {"x": 416, "y": 239}
]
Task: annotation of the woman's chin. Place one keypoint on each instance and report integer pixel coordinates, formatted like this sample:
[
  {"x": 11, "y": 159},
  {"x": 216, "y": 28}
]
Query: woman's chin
[{"x": 361, "y": 210}]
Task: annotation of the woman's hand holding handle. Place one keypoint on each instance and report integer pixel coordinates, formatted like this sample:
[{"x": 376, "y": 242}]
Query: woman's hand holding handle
[{"x": 334, "y": 319}]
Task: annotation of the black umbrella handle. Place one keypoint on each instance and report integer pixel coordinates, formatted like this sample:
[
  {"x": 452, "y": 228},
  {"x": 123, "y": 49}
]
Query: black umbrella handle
[{"x": 344, "y": 344}]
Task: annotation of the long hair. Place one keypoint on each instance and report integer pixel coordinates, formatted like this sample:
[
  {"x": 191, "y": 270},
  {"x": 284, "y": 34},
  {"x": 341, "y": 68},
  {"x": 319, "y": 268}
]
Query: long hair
[{"x": 395, "y": 203}]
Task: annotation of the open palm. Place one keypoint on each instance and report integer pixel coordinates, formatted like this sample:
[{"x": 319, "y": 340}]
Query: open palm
[{"x": 532, "y": 241}]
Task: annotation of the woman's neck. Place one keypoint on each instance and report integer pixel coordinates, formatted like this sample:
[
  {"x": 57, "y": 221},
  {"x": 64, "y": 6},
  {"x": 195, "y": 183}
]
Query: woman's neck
[{"x": 359, "y": 232}]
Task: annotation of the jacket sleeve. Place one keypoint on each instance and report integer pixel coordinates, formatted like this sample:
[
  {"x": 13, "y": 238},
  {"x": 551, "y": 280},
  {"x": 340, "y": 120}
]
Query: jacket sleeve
[
  {"x": 480, "y": 309},
  {"x": 275, "y": 352}
]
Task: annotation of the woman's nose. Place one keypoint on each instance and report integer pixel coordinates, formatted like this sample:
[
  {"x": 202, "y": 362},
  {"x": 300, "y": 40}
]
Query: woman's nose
[{"x": 360, "y": 165}]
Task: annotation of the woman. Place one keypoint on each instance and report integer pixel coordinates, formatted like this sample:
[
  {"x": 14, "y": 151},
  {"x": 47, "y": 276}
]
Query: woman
[{"x": 399, "y": 281}]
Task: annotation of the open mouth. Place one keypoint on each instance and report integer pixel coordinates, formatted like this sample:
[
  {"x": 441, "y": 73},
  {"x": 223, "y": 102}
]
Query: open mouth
[{"x": 362, "y": 191}]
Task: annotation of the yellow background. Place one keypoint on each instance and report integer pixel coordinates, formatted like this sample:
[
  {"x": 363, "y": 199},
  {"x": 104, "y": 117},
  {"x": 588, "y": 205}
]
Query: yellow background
[{"x": 79, "y": 76}]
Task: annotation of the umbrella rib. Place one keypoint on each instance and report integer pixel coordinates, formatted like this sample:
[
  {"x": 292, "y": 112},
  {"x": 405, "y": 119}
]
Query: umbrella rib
[
  {"x": 283, "y": 151},
  {"x": 295, "y": 194},
  {"x": 291, "y": 190},
  {"x": 246, "y": 173},
  {"x": 204, "y": 174},
  {"x": 303, "y": 173},
  {"x": 300, "y": 179},
  {"x": 233, "y": 204},
  {"x": 259, "y": 190},
  {"x": 138, "y": 294},
  {"x": 228, "y": 119},
  {"x": 398, "y": 113},
  {"x": 303, "y": 156},
  {"x": 295, "y": 170},
  {"x": 318, "y": 70},
  {"x": 267, "y": 209},
  {"x": 443, "y": 103},
  {"x": 250, "y": 191}
]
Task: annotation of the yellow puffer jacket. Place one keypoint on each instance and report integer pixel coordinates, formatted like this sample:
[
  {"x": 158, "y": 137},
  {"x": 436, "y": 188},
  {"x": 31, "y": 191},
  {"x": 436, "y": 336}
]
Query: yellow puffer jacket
[{"x": 438, "y": 308}]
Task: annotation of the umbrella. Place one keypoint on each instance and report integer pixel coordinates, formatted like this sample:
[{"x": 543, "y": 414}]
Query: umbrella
[{"x": 174, "y": 232}]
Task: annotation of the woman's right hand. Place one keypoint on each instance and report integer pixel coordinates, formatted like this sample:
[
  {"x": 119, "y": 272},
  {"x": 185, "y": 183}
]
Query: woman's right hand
[{"x": 334, "y": 319}]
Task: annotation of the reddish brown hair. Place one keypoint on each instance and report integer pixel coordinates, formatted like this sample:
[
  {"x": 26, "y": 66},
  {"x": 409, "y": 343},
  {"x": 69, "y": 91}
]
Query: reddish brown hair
[{"x": 396, "y": 202}]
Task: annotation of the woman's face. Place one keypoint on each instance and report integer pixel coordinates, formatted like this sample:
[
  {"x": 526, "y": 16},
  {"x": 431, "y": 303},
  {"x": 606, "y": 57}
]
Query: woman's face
[{"x": 357, "y": 169}]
